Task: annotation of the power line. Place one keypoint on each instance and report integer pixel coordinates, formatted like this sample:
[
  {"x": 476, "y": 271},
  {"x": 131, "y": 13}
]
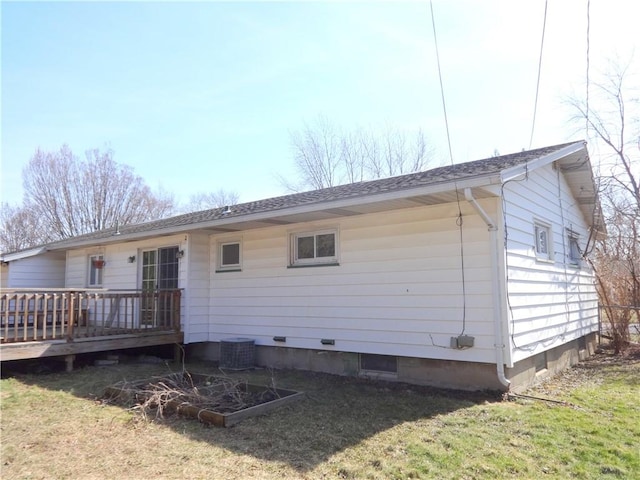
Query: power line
[
  {"x": 535, "y": 105},
  {"x": 587, "y": 87},
  {"x": 459, "y": 219},
  {"x": 444, "y": 106}
]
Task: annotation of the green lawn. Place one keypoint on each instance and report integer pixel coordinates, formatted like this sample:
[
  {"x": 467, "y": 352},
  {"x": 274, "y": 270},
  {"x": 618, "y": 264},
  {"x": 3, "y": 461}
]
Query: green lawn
[{"x": 56, "y": 426}]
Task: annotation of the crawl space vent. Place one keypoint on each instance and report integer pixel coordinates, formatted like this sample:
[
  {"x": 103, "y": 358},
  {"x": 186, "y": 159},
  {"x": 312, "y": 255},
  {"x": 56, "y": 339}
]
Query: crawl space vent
[{"x": 237, "y": 353}]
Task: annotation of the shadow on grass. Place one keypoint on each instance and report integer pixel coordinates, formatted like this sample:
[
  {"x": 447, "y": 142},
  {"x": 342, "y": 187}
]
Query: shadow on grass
[{"x": 337, "y": 413}]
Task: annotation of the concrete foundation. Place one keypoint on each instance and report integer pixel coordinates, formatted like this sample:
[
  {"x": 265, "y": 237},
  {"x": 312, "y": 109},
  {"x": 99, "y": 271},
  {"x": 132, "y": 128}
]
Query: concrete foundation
[
  {"x": 417, "y": 371},
  {"x": 535, "y": 369}
]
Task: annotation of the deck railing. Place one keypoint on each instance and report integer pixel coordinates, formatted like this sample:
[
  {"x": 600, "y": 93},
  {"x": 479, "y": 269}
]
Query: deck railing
[{"x": 45, "y": 314}]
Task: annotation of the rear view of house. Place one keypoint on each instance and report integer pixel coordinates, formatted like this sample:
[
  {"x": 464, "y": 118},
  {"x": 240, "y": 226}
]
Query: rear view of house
[{"x": 469, "y": 276}]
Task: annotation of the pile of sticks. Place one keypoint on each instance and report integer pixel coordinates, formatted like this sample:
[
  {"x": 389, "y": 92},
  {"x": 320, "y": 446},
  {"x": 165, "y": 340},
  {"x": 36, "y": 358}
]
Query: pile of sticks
[{"x": 218, "y": 394}]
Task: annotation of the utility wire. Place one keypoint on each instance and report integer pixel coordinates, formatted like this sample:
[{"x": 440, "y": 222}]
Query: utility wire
[
  {"x": 586, "y": 115},
  {"x": 535, "y": 105},
  {"x": 444, "y": 106},
  {"x": 459, "y": 219}
]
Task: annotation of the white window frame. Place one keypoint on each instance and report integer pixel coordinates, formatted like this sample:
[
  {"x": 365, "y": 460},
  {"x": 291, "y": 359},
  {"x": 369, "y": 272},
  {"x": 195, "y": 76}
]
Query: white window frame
[
  {"x": 98, "y": 279},
  {"x": 221, "y": 267},
  {"x": 545, "y": 254},
  {"x": 326, "y": 260},
  {"x": 573, "y": 245}
]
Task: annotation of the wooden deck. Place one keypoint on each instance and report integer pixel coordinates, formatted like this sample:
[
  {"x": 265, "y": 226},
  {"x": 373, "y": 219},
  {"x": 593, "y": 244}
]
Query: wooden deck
[{"x": 46, "y": 323}]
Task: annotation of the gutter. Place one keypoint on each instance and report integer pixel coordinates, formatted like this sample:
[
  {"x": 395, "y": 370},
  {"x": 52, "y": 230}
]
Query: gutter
[{"x": 497, "y": 323}]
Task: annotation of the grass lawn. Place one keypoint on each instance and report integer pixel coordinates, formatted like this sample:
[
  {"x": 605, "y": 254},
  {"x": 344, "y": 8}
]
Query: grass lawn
[{"x": 56, "y": 426}]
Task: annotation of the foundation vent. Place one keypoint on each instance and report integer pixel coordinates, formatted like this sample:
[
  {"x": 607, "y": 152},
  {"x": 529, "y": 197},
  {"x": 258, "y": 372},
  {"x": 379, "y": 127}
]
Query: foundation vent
[{"x": 237, "y": 353}]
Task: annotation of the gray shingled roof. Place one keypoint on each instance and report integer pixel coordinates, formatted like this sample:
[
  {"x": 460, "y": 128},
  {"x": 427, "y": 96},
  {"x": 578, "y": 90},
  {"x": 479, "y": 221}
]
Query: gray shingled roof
[{"x": 446, "y": 174}]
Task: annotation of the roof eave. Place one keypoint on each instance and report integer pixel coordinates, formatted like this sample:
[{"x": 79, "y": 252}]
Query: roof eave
[
  {"x": 514, "y": 172},
  {"x": 434, "y": 188},
  {"x": 31, "y": 252}
]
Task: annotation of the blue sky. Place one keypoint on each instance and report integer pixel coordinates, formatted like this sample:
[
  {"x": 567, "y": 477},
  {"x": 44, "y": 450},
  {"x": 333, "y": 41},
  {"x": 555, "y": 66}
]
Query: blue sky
[{"x": 202, "y": 96}]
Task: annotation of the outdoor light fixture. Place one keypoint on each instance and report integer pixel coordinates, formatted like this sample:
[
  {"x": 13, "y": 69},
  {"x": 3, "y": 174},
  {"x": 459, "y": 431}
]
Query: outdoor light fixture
[
  {"x": 131, "y": 259},
  {"x": 179, "y": 254}
]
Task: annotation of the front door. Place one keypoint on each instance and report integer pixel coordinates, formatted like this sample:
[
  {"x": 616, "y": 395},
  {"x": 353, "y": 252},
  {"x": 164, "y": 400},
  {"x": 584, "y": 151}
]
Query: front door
[{"x": 159, "y": 273}]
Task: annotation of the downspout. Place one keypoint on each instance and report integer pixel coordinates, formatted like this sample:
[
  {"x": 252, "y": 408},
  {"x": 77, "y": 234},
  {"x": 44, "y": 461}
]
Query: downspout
[{"x": 497, "y": 324}]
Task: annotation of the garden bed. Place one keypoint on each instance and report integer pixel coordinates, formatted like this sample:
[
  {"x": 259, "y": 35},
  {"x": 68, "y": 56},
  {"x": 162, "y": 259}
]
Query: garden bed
[{"x": 216, "y": 400}]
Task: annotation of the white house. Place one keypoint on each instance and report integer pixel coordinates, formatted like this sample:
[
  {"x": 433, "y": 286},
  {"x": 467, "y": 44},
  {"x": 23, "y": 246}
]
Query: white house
[{"x": 468, "y": 276}]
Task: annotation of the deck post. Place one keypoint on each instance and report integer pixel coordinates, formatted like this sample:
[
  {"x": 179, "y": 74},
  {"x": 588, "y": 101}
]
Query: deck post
[
  {"x": 70, "y": 305},
  {"x": 178, "y": 353},
  {"x": 69, "y": 361}
]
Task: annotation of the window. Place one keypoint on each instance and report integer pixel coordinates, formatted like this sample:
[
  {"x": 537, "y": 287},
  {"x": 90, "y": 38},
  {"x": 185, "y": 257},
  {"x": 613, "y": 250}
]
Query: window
[
  {"x": 168, "y": 268},
  {"x": 229, "y": 256},
  {"x": 582, "y": 343},
  {"x": 317, "y": 248},
  {"x": 574, "y": 248},
  {"x": 378, "y": 363},
  {"x": 542, "y": 241},
  {"x": 540, "y": 362},
  {"x": 160, "y": 271},
  {"x": 96, "y": 264}
]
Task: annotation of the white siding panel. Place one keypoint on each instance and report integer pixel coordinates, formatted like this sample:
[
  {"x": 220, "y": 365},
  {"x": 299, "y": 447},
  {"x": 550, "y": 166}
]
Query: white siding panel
[
  {"x": 396, "y": 291},
  {"x": 549, "y": 302},
  {"x": 196, "y": 292},
  {"x": 40, "y": 271},
  {"x": 118, "y": 272}
]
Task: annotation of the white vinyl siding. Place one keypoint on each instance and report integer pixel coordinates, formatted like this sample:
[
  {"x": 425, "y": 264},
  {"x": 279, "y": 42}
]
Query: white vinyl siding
[
  {"x": 40, "y": 271},
  {"x": 118, "y": 273},
  {"x": 397, "y": 290},
  {"x": 550, "y": 302},
  {"x": 196, "y": 290}
]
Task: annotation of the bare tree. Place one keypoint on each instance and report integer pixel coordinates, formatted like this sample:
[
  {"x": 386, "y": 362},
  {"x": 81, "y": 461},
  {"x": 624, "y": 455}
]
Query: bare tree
[
  {"x": 398, "y": 155},
  {"x": 205, "y": 201},
  {"x": 326, "y": 155},
  {"x": 614, "y": 127},
  {"x": 317, "y": 152},
  {"x": 20, "y": 228},
  {"x": 71, "y": 197}
]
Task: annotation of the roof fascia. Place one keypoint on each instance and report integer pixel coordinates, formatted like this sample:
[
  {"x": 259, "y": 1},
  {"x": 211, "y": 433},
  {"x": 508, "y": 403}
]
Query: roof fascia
[
  {"x": 32, "y": 252},
  {"x": 434, "y": 188},
  {"x": 514, "y": 172}
]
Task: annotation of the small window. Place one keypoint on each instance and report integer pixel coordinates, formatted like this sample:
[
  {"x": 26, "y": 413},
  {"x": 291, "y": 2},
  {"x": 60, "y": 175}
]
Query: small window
[
  {"x": 96, "y": 265},
  {"x": 315, "y": 248},
  {"x": 574, "y": 248},
  {"x": 582, "y": 343},
  {"x": 229, "y": 256},
  {"x": 540, "y": 361},
  {"x": 543, "y": 241},
  {"x": 378, "y": 363}
]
